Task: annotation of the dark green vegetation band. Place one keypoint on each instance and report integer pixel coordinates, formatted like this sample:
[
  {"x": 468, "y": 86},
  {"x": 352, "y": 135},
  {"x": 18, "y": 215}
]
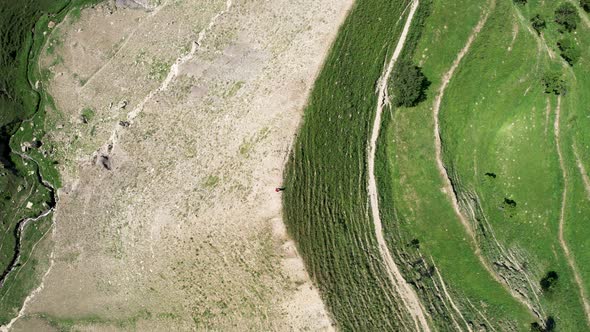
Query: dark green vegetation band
[
  {"x": 325, "y": 201},
  {"x": 28, "y": 177}
]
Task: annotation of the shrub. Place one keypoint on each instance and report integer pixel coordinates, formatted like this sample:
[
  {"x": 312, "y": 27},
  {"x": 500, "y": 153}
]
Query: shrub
[
  {"x": 569, "y": 50},
  {"x": 87, "y": 114},
  {"x": 539, "y": 23},
  {"x": 549, "y": 281},
  {"x": 549, "y": 325},
  {"x": 408, "y": 84},
  {"x": 585, "y": 4},
  {"x": 554, "y": 83},
  {"x": 520, "y": 2},
  {"x": 567, "y": 16}
]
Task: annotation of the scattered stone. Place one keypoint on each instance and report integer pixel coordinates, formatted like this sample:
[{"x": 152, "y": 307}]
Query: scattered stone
[
  {"x": 105, "y": 162},
  {"x": 29, "y": 205},
  {"x": 122, "y": 104},
  {"x": 26, "y": 146},
  {"x": 51, "y": 25}
]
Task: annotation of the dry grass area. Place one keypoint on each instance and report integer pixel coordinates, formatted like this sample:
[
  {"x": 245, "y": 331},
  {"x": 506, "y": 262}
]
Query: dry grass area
[{"x": 184, "y": 231}]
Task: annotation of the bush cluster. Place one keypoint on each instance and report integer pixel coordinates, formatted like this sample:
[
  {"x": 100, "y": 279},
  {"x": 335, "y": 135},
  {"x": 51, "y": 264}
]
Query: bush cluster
[
  {"x": 554, "y": 83},
  {"x": 566, "y": 15},
  {"x": 569, "y": 50},
  {"x": 549, "y": 281},
  {"x": 538, "y": 23}
]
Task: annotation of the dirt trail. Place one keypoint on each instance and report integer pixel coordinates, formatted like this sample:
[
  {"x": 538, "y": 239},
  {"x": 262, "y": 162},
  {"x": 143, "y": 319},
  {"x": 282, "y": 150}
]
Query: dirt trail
[
  {"x": 562, "y": 241},
  {"x": 436, "y": 109},
  {"x": 582, "y": 171},
  {"x": 547, "y": 113},
  {"x": 448, "y": 187},
  {"x": 450, "y": 300},
  {"x": 407, "y": 294}
]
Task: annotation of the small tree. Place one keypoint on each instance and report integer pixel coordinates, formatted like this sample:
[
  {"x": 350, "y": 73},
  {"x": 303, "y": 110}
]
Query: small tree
[
  {"x": 408, "y": 84},
  {"x": 585, "y": 4},
  {"x": 567, "y": 16},
  {"x": 554, "y": 83},
  {"x": 550, "y": 325},
  {"x": 520, "y": 2},
  {"x": 569, "y": 50},
  {"x": 539, "y": 23},
  {"x": 549, "y": 281}
]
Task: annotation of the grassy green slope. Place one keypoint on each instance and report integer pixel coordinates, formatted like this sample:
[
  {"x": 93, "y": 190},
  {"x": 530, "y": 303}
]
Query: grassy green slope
[
  {"x": 494, "y": 120},
  {"x": 326, "y": 204},
  {"x": 411, "y": 182},
  {"x": 575, "y": 139},
  {"x": 499, "y": 126}
]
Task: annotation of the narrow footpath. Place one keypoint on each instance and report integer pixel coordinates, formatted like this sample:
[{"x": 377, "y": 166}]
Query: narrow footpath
[{"x": 405, "y": 290}]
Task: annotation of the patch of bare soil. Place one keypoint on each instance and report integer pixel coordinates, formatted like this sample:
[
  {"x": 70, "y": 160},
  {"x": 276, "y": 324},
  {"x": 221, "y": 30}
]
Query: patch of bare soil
[{"x": 172, "y": 132}]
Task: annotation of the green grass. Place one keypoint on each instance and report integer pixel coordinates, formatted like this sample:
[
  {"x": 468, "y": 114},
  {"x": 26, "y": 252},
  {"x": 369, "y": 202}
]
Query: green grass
[
  {"x": 574, "y": 123},
  {"x": 33, "y": 264},
  {"x": 409, "y": 179},
  {"x": 75, "y": 324},
  {"x": 499, "y": 126},
  {"x": 325, "y": 203},
  {"x": 492, "y": 121}
]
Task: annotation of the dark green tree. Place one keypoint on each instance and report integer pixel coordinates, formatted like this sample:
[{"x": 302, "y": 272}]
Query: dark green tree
[
  {"x": 550, "y": 325},
  {"x": 408, "y": 84},
  {"x": 549, "y": 281},
  {"x": 554, "y": 83},
  {"x": 567, "y": 16},
  {"x": 539, "y": 23},
  {"x": 585, "y": 4},
  {"x": 569, "y": 50}
]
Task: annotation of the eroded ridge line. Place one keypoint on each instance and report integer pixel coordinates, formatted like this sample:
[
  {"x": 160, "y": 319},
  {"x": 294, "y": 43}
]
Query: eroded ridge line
[
  {"x": 448, "y": 186},
  {"x": 172, "y": 74},
  {"x": 406, "y": 292},
  {"x": 562, "y": 242}
]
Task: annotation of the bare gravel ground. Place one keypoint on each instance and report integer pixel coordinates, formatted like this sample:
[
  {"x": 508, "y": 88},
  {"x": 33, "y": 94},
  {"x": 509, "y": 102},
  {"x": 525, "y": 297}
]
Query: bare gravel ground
[{"x": 184, "y": 231}]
